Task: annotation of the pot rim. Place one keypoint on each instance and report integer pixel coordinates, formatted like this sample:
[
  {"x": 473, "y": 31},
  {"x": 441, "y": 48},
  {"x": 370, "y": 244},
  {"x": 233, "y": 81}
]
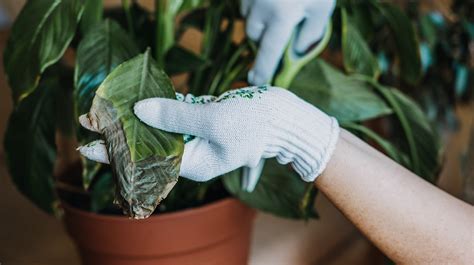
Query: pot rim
[{"x": 165, "y": 216}]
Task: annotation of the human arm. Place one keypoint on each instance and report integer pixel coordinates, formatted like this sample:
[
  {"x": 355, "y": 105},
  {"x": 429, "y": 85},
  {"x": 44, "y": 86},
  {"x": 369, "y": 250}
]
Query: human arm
[
  {"x": 409, "y": 219},
  {"x": 273, "y": 23}
]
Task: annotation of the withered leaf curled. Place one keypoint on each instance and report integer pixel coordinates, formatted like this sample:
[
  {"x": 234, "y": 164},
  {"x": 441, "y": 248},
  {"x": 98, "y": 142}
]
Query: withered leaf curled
[{"x": 145, "y": 161}]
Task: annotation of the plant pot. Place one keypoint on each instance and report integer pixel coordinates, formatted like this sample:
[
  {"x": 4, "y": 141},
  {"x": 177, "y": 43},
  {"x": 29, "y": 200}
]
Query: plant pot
[{"x": 217, "y": 233}]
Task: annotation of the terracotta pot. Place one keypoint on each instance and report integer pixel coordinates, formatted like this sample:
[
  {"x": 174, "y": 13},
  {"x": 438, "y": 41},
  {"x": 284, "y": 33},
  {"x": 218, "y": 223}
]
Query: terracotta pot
[{"x": 217, "y": 233}]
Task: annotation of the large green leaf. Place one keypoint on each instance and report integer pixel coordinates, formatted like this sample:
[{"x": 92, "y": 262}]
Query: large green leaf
[
  {"x": 405, "y": 39},
  {"x": 145, "y": 161},
  {"x": 422, "y": 142},
  {"x": 358, "y": 58},
  {"x": 279, "y": 191},
  {"x": 30, "y": 147},
  {"x": 361, "y": 16},
  {"x": 104, "y": 47},
  {"x": 40, "y": 35},
  {"x": 343, "y": 97}
]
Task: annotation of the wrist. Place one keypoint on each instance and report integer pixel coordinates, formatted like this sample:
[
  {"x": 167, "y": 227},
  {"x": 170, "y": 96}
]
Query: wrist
[
  {"x": 303, "y": 136},
  {"x": 327, "y": 152},
  {"x": 313, "y": 146}
]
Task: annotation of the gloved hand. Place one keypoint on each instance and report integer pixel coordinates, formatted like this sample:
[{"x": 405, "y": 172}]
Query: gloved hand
[
  {"x": 239, "y": 128},
  {"x": 272, "y": 23}
]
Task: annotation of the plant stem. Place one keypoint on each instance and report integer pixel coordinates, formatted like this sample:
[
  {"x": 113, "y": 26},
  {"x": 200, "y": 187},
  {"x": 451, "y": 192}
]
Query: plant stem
[
  {"x": 231, "y": 77},
  {"x": 389, "y": 97},
  {"x": 292, "y": 63},
  {"x": 215, "y": 83},
  {"x": 126, "y": 4},
  {"x": 306, "y": 200},
  {"x": 202, "y": 190},
  {"x": 160, "y": 7},
  {"x": 210, "y": 32},
  {"x": 165, "y": 13}
]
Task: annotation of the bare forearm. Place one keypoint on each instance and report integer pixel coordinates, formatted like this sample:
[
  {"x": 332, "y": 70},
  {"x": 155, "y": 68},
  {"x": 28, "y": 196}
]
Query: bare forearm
[{"x": 409, "y": 219}]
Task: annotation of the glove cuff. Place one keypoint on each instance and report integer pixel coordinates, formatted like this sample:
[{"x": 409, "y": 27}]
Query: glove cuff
[
  {"x": 327, "y": 151},
  {"x": 303, "y": 136}
]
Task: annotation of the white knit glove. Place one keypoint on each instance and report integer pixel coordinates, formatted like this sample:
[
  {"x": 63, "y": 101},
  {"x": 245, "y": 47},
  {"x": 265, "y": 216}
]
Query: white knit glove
[
  {"x": 238, "y": 129},
  {"x": 272, "y": 23}
]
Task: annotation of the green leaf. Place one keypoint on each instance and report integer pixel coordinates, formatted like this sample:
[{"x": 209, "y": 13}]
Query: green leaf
[
  {"x": 405, "y": 39},
  {"x": 103, "y": 48},
  {"x": 423, "y": 143},
  {"x": 295, "y": 200},
  {"x": 389, "y": 149},
  {"x": 145, "y": 160},
  {"x": 429, "y": 31},
  {"x": 187, "y": 194},
  {"x": 358, "y": 58},
  {"x": 30, "y": 147},
  {"x": 361, "y": 17},
  {"x": 93, "y": 13},
  {"x": 40, "y": 35},
  {"x": 345, "y": 98},
  {"x": 165, "y": 17},
  {"x": 180, "y": 60}
]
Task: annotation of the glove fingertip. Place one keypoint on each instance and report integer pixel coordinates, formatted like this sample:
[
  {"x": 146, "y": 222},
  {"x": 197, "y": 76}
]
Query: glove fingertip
[
  {"x": 95, "y": 151},
  {"x": 303, "y": 44},
  {"x": 86, "y": 123},
  {"x": 170, "y": 115},
  {"x": 147, "y": 109},
  {"x": 257, "y": 79}
]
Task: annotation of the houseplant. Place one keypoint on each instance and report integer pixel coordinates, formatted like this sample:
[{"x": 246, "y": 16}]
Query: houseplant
[{"x": 49, "y": 95}]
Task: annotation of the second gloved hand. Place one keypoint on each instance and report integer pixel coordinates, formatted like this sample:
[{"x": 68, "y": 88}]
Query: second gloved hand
[
  {"x": 238, "y": 129},
  {"x": 273, "y": 22}
]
